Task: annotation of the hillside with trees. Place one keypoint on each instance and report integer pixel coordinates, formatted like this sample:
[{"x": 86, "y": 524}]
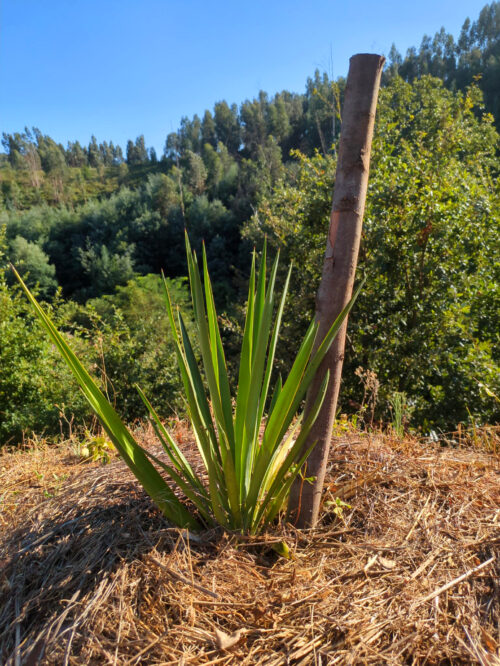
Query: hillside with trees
[
  {"x": 473, "y": 57},
  {"x": 91, "y": 228}
]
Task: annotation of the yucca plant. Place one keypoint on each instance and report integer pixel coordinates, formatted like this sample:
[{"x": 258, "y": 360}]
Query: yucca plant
[{"x": 250, "y": 462}]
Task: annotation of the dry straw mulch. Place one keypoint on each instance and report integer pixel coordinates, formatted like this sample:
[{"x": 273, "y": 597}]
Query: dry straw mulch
[{"x": 91, "y": 573}]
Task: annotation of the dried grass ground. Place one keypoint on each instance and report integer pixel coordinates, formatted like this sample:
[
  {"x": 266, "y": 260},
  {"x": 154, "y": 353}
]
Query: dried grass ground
[{"x": 91, "y": 573}]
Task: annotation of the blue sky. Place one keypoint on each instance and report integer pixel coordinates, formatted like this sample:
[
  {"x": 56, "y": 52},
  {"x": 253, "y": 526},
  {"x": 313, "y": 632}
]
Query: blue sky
[{"x": 120, "y": 68}]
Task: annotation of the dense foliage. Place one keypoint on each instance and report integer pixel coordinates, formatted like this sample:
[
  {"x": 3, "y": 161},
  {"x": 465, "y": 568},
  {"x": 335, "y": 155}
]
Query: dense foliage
[
  {"x": 122, "y": 338},
  {"x": 86, "y": 225},
  {"x": 474, "y": 56},
  {"x": 427, "y": 322}
]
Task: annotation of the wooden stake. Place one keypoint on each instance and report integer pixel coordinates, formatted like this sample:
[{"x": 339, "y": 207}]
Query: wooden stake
[{"x": 339, "y": 267}]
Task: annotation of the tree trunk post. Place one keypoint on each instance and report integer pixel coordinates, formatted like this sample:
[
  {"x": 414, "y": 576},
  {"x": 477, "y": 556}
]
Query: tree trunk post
[{"x": 339, "y": 268}]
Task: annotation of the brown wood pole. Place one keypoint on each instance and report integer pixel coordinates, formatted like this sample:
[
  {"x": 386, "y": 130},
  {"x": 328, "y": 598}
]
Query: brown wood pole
[{"x": 339, "y": 268}]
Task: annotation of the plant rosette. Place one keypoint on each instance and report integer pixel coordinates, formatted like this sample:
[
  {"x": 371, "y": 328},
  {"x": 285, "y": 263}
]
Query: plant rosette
[{"x": 249, "y": 469}]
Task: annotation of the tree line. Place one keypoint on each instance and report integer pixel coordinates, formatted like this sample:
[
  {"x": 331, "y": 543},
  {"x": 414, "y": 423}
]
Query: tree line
[{"x": 474, "y": 56}]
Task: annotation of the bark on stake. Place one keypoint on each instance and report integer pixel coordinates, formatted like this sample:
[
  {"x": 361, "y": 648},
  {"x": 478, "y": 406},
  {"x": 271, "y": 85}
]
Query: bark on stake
[{"x": 339, "y": 267}]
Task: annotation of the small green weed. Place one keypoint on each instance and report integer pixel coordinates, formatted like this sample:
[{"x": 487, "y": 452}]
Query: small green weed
[
  {"x": 96, "y": 448},
  {"x": 338, "y": 507}
]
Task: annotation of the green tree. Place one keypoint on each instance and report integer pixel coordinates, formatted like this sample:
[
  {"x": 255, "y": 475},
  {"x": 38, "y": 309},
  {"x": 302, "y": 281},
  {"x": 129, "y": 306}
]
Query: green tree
[
  {"x": 118, "y": 156},
  {"x": 141, "y": 152},
  {"x": 196, "y": 172},
  {"x": 126, "y": 335},
  {"x": 278, "y": 119},
  {"x": 11, "y": 193},
  {"x": 106, "y": 270},
  {"x": 106, "y": 151},
  {"x": 322, "y": 102},
  {"x": 189, "y": 135},
  {"x": 75, "y": 155},
  {"x": 227, "y": 126},
  {"x": 137, "y": 152},
  {"x": 33, "y": 265},
  {"x": 254, "y": 123},
  {"x": 93, "y": 152},
  {"x": 29, "y": 401},
  {"x": 208, "y": 130},
  {"x": 427, "y": 319},
  {"x": 475, "y": 56}
]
